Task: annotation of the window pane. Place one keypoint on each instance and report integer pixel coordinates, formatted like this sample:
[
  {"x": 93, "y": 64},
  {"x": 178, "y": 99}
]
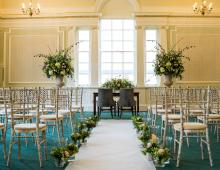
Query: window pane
[
  {"x": 128, "y": 45},
  {"x": 84, "y": 46},
  {"x": 83, "y": 35},
  {"x": 106, "y": 24},
  {"x": 117, "y": 46},
  {"x": 129, "y": 57},
  {"x": 83, "y": 79},
  {"x": 151, "y": 35},
  {"x": 151, "y": 56},
  {"x": 105, "y": 77},
  {"x": 117, "y": 35},
  {"x": 128, "y": 24},
  {"x": 117, "y": 68},
  {"x": 83, "y": 57},
  {"x": 106, "y": 67},
  {"x": 116, "y": 24},
  {"x": 128, "y": 35},
  {"x": 106, "y": 56},
  {"x": 83, "y": 67},
  {"x": 129, "y": 67},
  {"x": 106, "y": 35},
  {"x": 117, "y": 57},
  {"x": 150, "y": 45},
  {"x": 151, "y": 79},
  {"x": 106, "y": 45}
]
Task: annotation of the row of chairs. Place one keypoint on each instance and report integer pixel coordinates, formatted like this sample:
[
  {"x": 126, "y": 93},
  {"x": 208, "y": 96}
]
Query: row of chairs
[
  {"x": 189, "y": 112},
  {"x": 126, "y": 101},
  {"x": 28, "y": 112}
]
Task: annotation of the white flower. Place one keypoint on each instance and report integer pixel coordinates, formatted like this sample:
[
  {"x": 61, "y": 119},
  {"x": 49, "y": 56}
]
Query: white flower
[
  {"x": 51, "y": 72},
  {"x": 62, "y": 72},
  {"x": 57, "y": 64},
  {"x": 149, "y": 145},
  {"x": 161, "y": 151},
  {"x": 162, "y": 70}
]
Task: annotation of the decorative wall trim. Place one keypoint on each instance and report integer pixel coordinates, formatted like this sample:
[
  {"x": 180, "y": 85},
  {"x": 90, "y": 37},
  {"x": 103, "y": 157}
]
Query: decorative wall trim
[{"x": 198, "y": 82}]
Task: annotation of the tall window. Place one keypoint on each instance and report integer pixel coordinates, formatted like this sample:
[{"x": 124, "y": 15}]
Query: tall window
[
  {"x": 83, "y": 60},
  {"x": 150, "y": 56},
  {"x": 117, "y": 49}
]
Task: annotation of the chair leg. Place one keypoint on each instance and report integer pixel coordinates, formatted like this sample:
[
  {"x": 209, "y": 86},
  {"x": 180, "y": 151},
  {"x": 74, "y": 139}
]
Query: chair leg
[
  {"x": 39, "y": 151},
  {"x": 4, "y": 143},
  {"x": 111, "y": 112},
  {"x": 45, "y": 143},
  {"x": 58, "y": 131},
  {"x": 19, "y": 146},
  {"x": 71, "y": 120},
  {"x": 132, "y": 110},
  {"x": 11, "y": 147},
  {"x": 179, "y": 149},
  {"x": 120, "y": 112},
  {"x": 174, "y": 141},
  {"x": 208, "y": 147}
]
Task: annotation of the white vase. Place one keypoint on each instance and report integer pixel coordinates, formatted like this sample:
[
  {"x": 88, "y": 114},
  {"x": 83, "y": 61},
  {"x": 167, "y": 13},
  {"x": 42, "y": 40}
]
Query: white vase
[
  {"x": 167, "y": 80},
  {"x": 59, "y": 81}
]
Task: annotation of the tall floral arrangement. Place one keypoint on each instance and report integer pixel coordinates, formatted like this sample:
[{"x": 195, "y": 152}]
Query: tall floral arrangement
[
  {"x": 58, "y": 63},
  {"x": 170, "y": 62}
]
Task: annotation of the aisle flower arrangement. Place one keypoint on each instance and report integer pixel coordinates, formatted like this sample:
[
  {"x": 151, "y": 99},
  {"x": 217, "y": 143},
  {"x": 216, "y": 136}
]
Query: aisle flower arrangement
[
  {"x": 117, "y": 83},
  {"x": 150, "y": 147},
  {"x": 67, "y": 153}
]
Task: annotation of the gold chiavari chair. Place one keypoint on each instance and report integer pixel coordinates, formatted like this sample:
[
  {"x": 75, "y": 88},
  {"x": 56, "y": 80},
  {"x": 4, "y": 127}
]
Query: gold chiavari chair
[
  {"x": 187, "y": 128},
  {"x": 25, "y": 129},
  {"x": 52, "y": 117},
  {"x": 3, "y": 118}
]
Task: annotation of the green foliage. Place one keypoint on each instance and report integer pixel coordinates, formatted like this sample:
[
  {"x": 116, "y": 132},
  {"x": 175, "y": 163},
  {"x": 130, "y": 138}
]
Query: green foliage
[
  {"x": 117, "y": 83},
  {"x": 58, "y": 63},
  {"x": 76, "y": 136},
  {"x": 170, "y": 62}
]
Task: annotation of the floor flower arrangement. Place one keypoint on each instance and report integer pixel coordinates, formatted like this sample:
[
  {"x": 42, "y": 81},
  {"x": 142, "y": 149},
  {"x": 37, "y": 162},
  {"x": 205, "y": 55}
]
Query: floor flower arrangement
[
  {"x": 150, "y": 146},
  {"x": 67, "y": 152}
]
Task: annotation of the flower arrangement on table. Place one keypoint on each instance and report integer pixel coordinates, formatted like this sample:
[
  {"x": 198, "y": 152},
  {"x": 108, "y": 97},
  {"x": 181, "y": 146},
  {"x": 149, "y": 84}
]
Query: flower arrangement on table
[
  {"x": 117, "y": 83},
  {"x": 150, "y": 147},
  {"x": 58, "y": 64},
  {"x": 171, "y": 62}
]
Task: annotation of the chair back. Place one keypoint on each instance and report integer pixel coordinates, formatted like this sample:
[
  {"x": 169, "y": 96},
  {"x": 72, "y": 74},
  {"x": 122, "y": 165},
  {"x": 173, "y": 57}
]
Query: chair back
[
  {"x": 126, "y": 97},
  {"x": 105, "y": 97}
]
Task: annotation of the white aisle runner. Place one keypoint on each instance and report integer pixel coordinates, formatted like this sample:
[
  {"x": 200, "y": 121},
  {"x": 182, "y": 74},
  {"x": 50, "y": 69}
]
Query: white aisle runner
[{"x": 113, "y": 145}]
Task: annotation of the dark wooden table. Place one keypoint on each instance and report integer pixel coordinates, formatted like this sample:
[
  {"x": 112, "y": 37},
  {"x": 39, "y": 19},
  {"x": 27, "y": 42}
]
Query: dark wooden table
[{"x": 95, "y": 95}]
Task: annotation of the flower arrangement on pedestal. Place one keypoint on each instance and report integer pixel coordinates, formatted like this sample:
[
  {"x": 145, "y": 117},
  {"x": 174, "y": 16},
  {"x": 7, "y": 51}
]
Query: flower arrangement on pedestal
[
  {"x": 170, "y": 63},
  {"x": 117, "y": 83},
  {"x": 58, "y": 65}
]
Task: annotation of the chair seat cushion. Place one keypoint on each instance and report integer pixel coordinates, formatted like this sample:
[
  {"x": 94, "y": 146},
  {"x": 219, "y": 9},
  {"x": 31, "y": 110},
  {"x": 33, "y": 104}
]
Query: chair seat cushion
[
  {"x": 163, "y": 110},
  {"x": 172, "y": 116},
  {"x": 190, "y": 126},
  {"x": 211, "y": 117},
  {"x": 51, "y": 117},
  {"x": 63, "y": 112},
  {"x": 22, "y": 116},
  {"x": 29, "y": 126}
]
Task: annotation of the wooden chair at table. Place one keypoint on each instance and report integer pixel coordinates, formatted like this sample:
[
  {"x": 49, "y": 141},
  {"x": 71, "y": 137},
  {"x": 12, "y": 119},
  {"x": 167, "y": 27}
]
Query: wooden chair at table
[
  {"x": 126, "y": 101},
  {"x": 187, "y": 128},
  {"x": 52, "y": 117},
  {"x": 105, "y": 101},
  {"x": 22, "y": 130}
]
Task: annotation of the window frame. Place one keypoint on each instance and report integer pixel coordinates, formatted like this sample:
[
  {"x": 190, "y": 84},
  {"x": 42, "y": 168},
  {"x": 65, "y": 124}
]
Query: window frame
[
  {"x": 145, "y": 57},
  {"x": 119, "y": 51},
  {"x": 76, "y": 61}
]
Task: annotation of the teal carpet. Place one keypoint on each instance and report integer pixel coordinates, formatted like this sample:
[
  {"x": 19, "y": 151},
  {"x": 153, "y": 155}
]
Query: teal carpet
[{"x": 190, "y": 159}]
